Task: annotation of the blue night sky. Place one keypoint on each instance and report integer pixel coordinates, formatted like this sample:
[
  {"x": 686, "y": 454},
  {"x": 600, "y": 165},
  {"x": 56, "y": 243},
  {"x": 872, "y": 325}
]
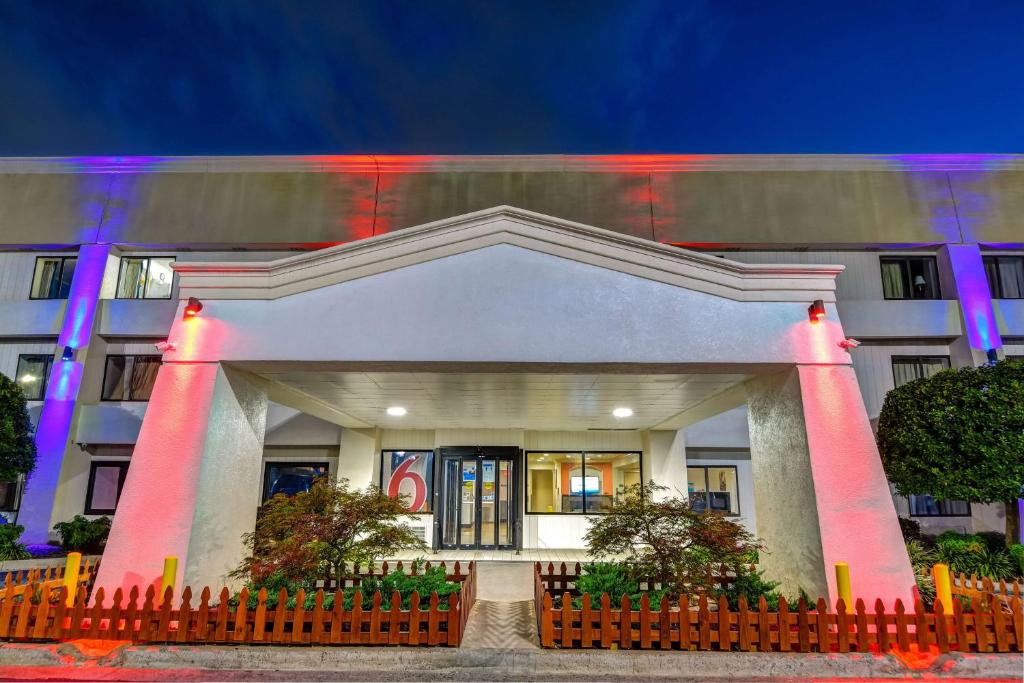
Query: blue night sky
[{"x": 387, "y": 76}]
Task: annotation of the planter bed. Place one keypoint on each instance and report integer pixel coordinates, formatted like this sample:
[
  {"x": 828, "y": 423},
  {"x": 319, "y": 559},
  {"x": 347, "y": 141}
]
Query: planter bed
[
  {"x": 711, "y": 625},
  {"x": 204, "y": 619}
]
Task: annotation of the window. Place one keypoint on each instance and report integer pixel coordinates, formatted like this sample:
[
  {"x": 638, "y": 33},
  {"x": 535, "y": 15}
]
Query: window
[
  {"x": 714, "y": 488},
  {"x": 8, "y": 495},
  {"x": 106, "y": 479},
  {"x": 289, "y": 478},
  {"x": 910, "y": 277},
  {"x": 145, "y": 278},
  {"x": 908, "y": 368},
  {"x": 409, "y": 474},
  {"x": 129, "y": 378},
  {"x": 52, "y": 277},
  {"x": 578, "y": 482},
  {"x": 1005, "y": 276},
  {"x": 926, "y": 506},
  {"x": 33, "y": 372}
]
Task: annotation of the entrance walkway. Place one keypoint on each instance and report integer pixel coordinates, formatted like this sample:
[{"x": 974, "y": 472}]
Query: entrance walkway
[{"x": 503, "y": 616}]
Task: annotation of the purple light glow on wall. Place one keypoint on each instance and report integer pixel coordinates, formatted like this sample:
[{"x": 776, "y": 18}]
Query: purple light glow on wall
[
  {"x": 975, "y": 299},
  {"x": 54, "y": 428}
]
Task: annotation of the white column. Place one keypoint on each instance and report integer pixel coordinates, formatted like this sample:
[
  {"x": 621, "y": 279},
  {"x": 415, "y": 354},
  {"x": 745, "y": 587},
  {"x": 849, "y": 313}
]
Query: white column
[
  {"x": 666, "y": 455},
  {"x": 820, "y": 491},
  {"x": 193, "y": 486},
  {"x": 358, "y": 455}
]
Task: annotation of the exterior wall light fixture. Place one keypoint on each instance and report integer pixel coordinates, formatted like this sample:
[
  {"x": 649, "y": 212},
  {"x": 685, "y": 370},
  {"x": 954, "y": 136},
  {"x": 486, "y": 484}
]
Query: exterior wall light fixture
[
  {"x": 68, "y": 354},
  {"x": 816, "y": 311},
  {"x": 192, "y": 308}
]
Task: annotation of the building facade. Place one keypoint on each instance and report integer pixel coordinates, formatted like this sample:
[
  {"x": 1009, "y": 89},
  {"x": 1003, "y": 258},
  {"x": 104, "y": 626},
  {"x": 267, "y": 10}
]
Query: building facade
[{"x": 509, "y": 341}]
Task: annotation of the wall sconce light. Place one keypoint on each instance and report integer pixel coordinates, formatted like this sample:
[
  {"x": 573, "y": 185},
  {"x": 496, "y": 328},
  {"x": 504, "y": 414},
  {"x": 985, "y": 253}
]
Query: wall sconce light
[
  {"x": 992, "y": 355},
  {"x": 192, "y": 308},
  {"x": 816, "y": 311},
  {"x": 68, "y": 354}
]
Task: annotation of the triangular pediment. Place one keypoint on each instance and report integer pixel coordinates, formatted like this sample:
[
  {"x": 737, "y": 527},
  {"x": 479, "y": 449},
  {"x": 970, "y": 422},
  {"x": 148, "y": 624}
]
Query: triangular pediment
[{"x": 508, "y": 225}]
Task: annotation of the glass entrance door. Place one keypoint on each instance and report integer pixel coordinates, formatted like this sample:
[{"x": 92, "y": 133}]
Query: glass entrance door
[{"x": 478, "y": 507}]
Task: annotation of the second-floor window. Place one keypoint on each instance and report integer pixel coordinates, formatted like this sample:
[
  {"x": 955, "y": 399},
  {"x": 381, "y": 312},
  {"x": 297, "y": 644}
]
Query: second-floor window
[
  {"x": 33, "y": 371},
  {"x": 145, "y": 278},
  {"x": 52, "y": 277},
  {"x": 1005, "y": 276},
  {"x": 130, "y": 378},
  {"x": 910, "y": 277},
  {"x": 926, "y": 506},
  {"x": 908, "y": 368}
]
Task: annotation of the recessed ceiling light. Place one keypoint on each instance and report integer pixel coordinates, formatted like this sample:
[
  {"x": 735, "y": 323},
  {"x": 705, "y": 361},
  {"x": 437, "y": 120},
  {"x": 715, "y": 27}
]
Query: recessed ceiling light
[
  {"x": 622, "y": 412},
  {"x": 396, "y": 411}
]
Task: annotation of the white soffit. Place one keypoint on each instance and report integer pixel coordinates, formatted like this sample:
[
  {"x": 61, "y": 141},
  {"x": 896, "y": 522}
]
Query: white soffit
[{"x": 509, "y": 225}]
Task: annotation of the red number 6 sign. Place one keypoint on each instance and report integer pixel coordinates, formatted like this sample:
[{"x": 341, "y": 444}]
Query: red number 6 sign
[{"x": 401, "y": 474}]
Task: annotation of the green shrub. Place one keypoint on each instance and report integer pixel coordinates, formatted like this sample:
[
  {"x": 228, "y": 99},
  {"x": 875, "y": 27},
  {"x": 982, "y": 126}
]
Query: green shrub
[
  {"x": 1017, "y": 553},
  {"x": 753, "y": 586},
  {"x": 911, "y": 529},
  {"x": 10, "y": 547},
  {"x": 972, "y": 554},
  {"x": 84, "y": 535}
]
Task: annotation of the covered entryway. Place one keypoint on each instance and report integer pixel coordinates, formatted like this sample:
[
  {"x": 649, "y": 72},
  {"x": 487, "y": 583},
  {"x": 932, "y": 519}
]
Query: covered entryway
[{"x": 506, "y": 328}]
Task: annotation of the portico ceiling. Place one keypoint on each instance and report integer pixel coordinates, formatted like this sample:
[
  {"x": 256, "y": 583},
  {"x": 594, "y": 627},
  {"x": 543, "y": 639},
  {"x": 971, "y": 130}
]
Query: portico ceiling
[{"x": 502, "y": 400}]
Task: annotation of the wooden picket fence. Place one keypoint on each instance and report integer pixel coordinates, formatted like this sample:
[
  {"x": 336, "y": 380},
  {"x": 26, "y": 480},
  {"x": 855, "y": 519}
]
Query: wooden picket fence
[
  {"x": 562, "y": 578},
  {"x": 711, "y": 625},
  {"x": 18, "y": 582},
  {"x": 984, "y": 588},
  {"x": 49, "y": 619}
]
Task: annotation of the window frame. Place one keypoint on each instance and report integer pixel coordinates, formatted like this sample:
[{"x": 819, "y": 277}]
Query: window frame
[
  {"x": 60, "y": 276},
  {"x": 996, "y": 288},
  {"x": 908, "y": 282},
  {"x": 15, "y": 494},
  {"x": 430, "y": 478},
  {"x": 46, "y": 372},
  {"x": 583, "y": 465},
  {"x": 106, "y": 367},
  {"x": 707, "y": 487},
  {"x": 911, "y": 513},
  {"x": 95, "y": 465},
  {"x": 267, "y": 464},
  {"x": 145, "y": 291},
  {"x": 894, "y": 358}
]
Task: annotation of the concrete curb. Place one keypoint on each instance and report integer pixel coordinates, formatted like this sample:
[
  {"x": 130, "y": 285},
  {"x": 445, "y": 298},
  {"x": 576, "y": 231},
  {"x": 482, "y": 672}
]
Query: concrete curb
[{"x": 138, "y": 662}]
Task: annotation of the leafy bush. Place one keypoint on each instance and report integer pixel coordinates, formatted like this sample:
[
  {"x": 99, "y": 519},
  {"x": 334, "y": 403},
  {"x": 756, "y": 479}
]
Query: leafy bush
[
  {"x": 320, "y": 533},
  {"x": 973, "y": 554},
  {"x": 753, "y": 586},
  {"x": 430, "y": 581},
  {"x": 1017, "y": 553},
  {"x": 17, "y": 448},
  {"x": 615, "y": 580},
  {"x": 911, "y": 529},
  {"x": 10, "y": 547},
  {"x": 84, "y": 535},
  {"x": 666, "y": 542}
]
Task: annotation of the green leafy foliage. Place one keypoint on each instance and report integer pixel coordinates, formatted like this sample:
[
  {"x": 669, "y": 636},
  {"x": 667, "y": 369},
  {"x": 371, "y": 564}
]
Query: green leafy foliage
[
  {"x": 911, "y": 529},
  {"x": 17, "y": 449},
  {"x": 752, "y": 585},
  {"x": 666, "y": 542},
  {"x": 958, "y": 434},
  {"x": 10, "y": 547},
  {"x": 615, "y": 580},
  {"x": 83, "y": 535},
  {"x": 322, "y": 533},
  {"x": 1017, "y": 553},
  {"x": 430, "y": 581}
]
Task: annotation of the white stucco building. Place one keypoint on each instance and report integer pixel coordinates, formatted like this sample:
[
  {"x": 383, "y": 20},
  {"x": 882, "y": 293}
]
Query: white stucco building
[{"x": 510, "y": 341}]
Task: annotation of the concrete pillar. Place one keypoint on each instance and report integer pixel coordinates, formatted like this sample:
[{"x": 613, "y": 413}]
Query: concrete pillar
[
  {"x": 193, "y": 486},
  {"x": 962, "y": 274},
  {"x": 820, "y": 491},
  {"x": 358, "y": 457},
  {"x": 667, "y": 458},
  {"x": 54, "y": 433}
]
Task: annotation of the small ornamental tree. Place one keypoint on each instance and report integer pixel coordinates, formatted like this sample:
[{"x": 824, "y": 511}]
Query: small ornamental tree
[
  {"x": 319, "y": 533},
  {"x": 666, "y": 541},
  {"x": 958, "y": 434},
  {"x": 17, "y": 449}
]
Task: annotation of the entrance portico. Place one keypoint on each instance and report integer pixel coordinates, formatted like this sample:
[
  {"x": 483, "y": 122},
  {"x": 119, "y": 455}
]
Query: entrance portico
[{"x": 506, "y": 328}]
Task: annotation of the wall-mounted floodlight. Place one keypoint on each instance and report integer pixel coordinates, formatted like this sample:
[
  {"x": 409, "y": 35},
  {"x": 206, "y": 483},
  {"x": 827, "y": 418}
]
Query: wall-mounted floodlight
[
  {"x": 193, "y": 307},
  {"x": 816, "y": 311}
]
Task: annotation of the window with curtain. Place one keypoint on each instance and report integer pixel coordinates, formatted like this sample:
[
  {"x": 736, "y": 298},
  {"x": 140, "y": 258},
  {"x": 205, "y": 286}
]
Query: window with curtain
[
  {"x": 1005, "y": 276},
  {"x": 714, "y": 489},
  {"x": 52, "y": 277},
  {"x": 32, "y": 375},
  {"x": 145, "y": 278},
  {"x": 910, "y": 277},
  {"x": 908, "y": 368},
  {"x": 578, "y": 482},
  {"x": 106, "y": 481},
  {"x": 130, "y": 378},
  {"x": 926, "y": 506}
]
